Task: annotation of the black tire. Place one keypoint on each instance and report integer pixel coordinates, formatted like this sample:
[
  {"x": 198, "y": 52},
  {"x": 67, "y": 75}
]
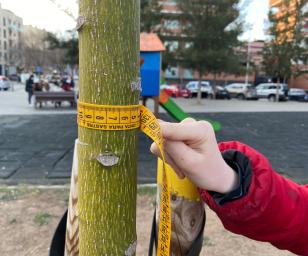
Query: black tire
[
  {"x": 271, "y": 98},
  {"x": 240, "y": 96},
  {"x": 204, "y": 95}
]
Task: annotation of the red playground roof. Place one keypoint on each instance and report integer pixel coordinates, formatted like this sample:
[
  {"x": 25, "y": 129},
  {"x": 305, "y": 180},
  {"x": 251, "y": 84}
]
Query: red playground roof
[{"x": 150, "y": 42}]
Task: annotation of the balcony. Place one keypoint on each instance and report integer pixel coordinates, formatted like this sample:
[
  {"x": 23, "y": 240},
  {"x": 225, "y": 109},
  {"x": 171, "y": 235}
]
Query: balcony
[{"x": 274, "y": 3}]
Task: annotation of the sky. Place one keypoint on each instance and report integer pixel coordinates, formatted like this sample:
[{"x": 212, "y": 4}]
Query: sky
[{"x": 45, "y": 14}]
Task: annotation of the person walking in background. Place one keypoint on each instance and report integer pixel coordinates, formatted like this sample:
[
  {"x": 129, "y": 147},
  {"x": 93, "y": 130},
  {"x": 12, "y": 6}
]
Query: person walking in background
[{"x": 29, "y": 87}]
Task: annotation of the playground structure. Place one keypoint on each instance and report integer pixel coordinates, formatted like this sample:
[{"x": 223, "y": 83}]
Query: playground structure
[{"x": 151, "y": 48}]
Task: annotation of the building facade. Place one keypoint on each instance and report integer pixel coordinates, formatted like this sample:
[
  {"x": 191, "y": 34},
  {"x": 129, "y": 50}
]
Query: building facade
[
  {"x": 169, "y": 33},
  {"x": 11, "y": 27},
  {"x": 301, "y": 81}
]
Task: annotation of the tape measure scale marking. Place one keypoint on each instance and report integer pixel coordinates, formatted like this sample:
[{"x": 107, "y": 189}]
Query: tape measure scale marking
[
  {"x": 104, "y": 117},
  {"x": 119, "y": 118}
]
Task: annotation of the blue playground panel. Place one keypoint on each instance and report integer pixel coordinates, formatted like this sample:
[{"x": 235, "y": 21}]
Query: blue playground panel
[{"x": 150, "y": 73}]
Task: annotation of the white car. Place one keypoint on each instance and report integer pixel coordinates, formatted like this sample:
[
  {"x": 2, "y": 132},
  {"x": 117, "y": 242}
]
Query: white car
[
  {"x": 269, "y": 91},
  {"x": 241, "y": 91},
  {"x": 206, "y": 89},
  {"x": 5, "y": 83}
]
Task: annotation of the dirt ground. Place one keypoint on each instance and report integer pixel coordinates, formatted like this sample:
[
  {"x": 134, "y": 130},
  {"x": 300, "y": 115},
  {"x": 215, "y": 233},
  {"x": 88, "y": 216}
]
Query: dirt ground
[{"x": 29, "y": 217}]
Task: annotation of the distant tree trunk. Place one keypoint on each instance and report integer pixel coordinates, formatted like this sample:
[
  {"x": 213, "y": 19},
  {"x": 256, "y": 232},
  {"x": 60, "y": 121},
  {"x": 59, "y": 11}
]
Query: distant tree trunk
[
  {"x": 214, "y": 86},
  {"x": 109, "y": 65},
  {"x": 277, "y": 89},
  {"x": 199, "y": 93}
]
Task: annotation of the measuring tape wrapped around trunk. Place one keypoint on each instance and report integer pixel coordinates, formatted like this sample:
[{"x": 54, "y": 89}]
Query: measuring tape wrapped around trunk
[
  {"x": 105, "y": 117},
  {"x": 109, "y": 118}
]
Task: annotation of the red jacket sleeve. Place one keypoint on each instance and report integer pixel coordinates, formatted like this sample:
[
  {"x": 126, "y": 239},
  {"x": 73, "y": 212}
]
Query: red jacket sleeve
[{"x": 274, "y": 210}]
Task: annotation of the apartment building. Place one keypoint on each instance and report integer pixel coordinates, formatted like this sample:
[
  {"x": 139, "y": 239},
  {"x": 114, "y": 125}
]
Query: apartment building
[
  {"x": 10, "y": 44},
  {"x": 301, "y": 81},
  {"x": 170, "y": 29}
]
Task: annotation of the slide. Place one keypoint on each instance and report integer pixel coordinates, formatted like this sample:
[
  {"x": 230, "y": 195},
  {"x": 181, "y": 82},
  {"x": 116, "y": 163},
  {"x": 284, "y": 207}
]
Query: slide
[{"x": 177, "y": 113}]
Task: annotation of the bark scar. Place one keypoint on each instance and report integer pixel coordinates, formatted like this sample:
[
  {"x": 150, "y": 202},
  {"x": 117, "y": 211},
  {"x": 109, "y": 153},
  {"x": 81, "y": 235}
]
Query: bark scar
[
  {"x": 108, "y": 158},
  {"x": 131, "y": 249},
  {"x": 81, "y": 20}
]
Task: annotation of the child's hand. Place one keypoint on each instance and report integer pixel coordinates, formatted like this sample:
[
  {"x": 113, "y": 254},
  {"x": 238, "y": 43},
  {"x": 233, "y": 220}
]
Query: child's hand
[{"x": 191, "y": 150}]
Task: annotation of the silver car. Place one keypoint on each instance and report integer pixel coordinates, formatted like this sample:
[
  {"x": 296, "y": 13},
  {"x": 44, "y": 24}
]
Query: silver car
[
  {"x": 206, "y": 89},
  {"x": 5, "y": 83},
  {"x": 242, "y": 91}
]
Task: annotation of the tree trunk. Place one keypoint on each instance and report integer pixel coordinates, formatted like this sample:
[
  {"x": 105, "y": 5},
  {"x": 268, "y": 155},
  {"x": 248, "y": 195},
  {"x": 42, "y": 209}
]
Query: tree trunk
[
  {"x": 214, "y": 86},
  {"x": 277, "y": 89},
  {"x": 199, "y": 93},
  {"x": 109, "y": 66},
  {"x": 72, "y": 226}
]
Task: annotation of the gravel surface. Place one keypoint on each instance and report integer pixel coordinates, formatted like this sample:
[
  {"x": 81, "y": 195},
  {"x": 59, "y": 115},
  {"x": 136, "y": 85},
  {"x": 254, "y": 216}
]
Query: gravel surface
[{"x": 29, "y": 217}]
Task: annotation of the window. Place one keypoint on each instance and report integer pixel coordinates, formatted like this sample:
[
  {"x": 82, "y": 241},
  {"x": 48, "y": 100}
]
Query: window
[
  {"x": 10, "y": 32},
  {"x": 172, "y": 45},
  {"x": 4, "y": 33},
  {"x": 171, "y": 24},
  {"x": 188, "y": 45},
  {"x": 4, "y": 22},
  {"x": 172, "y": 72},
  {"x": 10, "y": 43},
  {"x": 4, "y": 44},
  {"x": 188, "y": 74},
  {"x": 170, "y": 3}
]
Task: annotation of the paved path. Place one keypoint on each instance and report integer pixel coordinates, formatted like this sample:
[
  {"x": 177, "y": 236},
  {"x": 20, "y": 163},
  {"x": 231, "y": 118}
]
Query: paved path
[
  {"x": 37, "y": 149},
  {"x": 15, "y": 103}
]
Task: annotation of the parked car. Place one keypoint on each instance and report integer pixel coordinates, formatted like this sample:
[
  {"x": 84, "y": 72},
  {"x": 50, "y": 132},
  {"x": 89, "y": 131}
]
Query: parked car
[
  {"x": 297, "y": 94},
  {"x": 171, "y": 90},
  {"x": 5, "y": 84},
  {"x": 206, "y": 89},
  {"x": 242, "y": 91},
  {"x": 174, "y": 90},
  {"x": 269, "y": 91},
  {"x": 14, "y": 77},
  {"x": 222, "y": 93},
  {"x": 185, "y": 93}
]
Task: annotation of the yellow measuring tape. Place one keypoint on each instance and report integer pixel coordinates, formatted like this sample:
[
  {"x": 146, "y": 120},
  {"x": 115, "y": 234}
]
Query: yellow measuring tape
[{"x": 119, "y": 118}]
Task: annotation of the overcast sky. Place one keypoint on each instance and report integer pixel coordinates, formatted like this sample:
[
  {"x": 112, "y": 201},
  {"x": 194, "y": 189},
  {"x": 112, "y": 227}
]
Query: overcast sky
[{"x": 46, "y": 15}]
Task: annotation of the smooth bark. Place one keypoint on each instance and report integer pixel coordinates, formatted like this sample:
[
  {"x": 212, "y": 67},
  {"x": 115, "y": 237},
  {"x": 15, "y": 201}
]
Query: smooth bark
[{"x": 109, "y": 64}]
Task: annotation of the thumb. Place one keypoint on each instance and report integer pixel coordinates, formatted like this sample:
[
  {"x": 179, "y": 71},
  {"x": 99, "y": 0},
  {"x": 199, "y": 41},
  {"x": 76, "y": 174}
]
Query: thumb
[{"x": 187, "y": 131}]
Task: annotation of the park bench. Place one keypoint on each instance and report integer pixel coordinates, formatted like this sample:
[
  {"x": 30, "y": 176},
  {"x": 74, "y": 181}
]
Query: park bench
[{"x": 54, "y": 97}]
